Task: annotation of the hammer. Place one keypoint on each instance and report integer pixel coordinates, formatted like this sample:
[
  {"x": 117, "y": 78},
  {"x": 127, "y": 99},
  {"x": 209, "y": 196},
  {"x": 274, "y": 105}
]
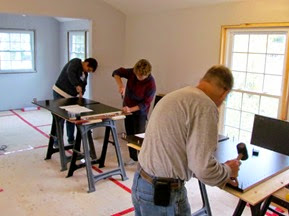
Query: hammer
[
  {"x": 242, "y": 155},
  {"x": 242, "y": 151}
]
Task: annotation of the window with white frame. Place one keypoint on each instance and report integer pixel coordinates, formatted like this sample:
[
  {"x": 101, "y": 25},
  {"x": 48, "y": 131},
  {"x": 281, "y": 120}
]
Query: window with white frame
[
  {"x": 16, "y": 51},
  {"x": 257, "y": 58},
  {"x": 77, "y": 44}
]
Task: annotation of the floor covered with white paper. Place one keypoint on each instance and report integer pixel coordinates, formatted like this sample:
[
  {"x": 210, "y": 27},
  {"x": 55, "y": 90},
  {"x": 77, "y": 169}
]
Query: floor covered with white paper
[{"x": 32, "y": 186}]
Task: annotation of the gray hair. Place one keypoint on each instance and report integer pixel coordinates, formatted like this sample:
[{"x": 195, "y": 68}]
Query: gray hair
[{"x": 221, "y": 76}]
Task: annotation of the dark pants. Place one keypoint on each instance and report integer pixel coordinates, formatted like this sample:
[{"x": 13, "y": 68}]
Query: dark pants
[
  {"x": 134, "y": 124},
  {"x": 69, "y": 126}
]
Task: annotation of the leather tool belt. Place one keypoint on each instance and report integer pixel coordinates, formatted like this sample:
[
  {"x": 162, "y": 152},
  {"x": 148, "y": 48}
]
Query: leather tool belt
[{"x": 175, "y": 184}]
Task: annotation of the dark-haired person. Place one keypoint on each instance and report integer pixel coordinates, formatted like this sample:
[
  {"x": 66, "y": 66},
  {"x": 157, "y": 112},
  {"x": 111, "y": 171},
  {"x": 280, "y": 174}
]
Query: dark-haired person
[
  {"x": 180, "y": 141},
  {"x": 137, "y": 97},
  {"x": 71, "y": 83}
]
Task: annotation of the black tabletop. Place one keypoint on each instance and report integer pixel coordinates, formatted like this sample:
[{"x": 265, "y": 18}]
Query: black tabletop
[
  {"x": 96, "y": 107},
  {"x": 255, "y": 169}
]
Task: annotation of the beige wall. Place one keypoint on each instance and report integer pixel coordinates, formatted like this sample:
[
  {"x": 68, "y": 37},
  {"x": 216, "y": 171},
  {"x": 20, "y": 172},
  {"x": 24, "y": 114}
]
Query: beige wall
[{"x": 182, "y": 44}]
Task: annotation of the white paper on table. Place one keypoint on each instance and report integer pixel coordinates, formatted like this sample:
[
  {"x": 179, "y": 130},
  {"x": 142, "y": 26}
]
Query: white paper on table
[
  {"x": 140, "y": 135},
  {"x": 75, "y": 109}
]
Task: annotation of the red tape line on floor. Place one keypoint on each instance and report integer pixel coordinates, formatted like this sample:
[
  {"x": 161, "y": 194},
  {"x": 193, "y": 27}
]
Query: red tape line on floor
[
  {"x": 124, "y": 212},
  {"x": 40, "y": 131},
  {"x": 113, "y": 180}
]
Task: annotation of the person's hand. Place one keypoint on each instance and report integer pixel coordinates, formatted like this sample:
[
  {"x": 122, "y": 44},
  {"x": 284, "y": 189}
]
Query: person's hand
[
  {"x": 126, "y": 109},
  {"x": 235, "y": 166},
  {"x": 233, "y": 181},
  {"x": 79, "y": 91},
  {"x": 121, "y": 90}
]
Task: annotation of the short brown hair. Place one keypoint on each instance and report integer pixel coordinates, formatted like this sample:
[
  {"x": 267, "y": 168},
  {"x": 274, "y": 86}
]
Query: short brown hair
[
  {"x": 142, "y": 67},
  {"x": 221, "y": 75}
]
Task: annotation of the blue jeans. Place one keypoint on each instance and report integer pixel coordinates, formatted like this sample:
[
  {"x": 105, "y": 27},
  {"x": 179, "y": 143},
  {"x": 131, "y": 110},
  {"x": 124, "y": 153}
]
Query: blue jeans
[
  {"x": 69, "y": 126},
  {"x": 143, "y": 200}
]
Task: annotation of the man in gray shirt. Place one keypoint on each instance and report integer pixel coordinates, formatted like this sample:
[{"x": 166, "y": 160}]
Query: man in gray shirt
[{"x": 180, "y": 141}]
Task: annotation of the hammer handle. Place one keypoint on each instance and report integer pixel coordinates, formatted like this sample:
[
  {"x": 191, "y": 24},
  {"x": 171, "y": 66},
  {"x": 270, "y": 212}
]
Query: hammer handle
[{"x": 240, "y": 156}]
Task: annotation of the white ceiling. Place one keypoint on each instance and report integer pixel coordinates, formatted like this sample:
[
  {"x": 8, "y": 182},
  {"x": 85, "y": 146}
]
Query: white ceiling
[{"x": 154, "y": 6}]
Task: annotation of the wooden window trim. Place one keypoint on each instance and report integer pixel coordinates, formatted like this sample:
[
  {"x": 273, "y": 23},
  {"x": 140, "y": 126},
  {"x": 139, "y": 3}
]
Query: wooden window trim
[{"x": 223, "y": 48}]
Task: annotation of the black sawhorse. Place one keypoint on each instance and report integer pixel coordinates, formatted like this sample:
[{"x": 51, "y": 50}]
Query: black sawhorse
[
  {"x": 57, "y": 132},
  {"x": 205, "y": 210},
  {"x": 109, "y": 124},
  {"x": 257, "y": 210}
]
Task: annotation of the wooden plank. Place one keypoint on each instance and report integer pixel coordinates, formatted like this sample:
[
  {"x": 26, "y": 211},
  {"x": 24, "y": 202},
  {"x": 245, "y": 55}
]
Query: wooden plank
[
  {"x": 134, "y": 146},
  {"x": 263, "y": 190}
]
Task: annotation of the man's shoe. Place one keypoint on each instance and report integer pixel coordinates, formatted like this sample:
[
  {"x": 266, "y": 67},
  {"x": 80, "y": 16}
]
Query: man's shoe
[{"x": 130, "y": 162}]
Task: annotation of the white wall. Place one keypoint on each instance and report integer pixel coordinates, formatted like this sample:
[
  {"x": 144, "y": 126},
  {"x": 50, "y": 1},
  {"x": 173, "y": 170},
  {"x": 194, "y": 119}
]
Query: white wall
[{"x": 183, "y": 44}]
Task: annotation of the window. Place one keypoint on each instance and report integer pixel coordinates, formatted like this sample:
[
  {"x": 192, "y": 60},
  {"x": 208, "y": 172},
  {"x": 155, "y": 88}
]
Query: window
[
  {"x": 77, "y": 43},
  {"x": 16, "y": 51},
  {"x": 257, "y": 58}
]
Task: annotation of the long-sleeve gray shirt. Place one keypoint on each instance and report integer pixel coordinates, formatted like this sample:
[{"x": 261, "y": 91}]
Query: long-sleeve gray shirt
[{"x": 181, "y": 138}]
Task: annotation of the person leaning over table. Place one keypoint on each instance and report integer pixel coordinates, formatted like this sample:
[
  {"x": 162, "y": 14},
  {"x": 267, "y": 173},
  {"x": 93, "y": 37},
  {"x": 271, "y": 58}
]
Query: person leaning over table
[
  {"x": 137, "y": 97},
  {"x": 71, "y": 83},
  {"x": 180, "y": 141}
]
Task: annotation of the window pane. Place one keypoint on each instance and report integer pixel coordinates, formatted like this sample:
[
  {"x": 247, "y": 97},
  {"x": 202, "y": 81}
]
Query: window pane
[
  {"x": 276, "y": 43},
  {"x": 15, "y": 37},
  {"x": 232, "y": 118},
  {"x": 26, "y": 64},
  {"x": 247, "y": 120},
  {"x": 272, "y": 85},
  {"x": 26, "y": 56},
  {"x": 245, "y": 136},
  {"x": 16, "y": 65},
  {"x": 15, "y": 56},
  {"x": 77, "y": 45},
  {"x": 234, "y": 100},
  {"x": 25, "y": 38},
  {"x": 239, "y": 80},
  {"x": 15, "y": 46},
  {"x": 239, "y": 62},
  {"x": 79, "y": 55},
  {"x": 15, "y": 43},
  {"x": 256, "y": 63},
  {"x": 250, "y": 103},
  {"x": 26, "y": 46},
  {"x": 254, "y": 82},
  {"x": 257, "y": 60},
  {"x": 73, "y": 55},
  {"x": 269, "y": 106},
  {"x": 4, "y": 45},
  {"x": 231, "y": 132},
  {"x": 274, "y": 64},
  {"x": 5, "y": 65},
  {"x": 4, "y": 56},
  {"x": 258, "y": 43},
  {"x": 4, "y": 37},
  {"x": 241, "y": 43}
]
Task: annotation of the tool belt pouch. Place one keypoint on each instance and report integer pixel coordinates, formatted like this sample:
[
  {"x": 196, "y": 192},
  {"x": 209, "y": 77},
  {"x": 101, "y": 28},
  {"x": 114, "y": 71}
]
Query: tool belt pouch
[{"x": 162, "y": 193}]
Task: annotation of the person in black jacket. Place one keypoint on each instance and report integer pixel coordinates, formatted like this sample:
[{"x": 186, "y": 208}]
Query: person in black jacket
[{"x": 71, "y": 83}]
